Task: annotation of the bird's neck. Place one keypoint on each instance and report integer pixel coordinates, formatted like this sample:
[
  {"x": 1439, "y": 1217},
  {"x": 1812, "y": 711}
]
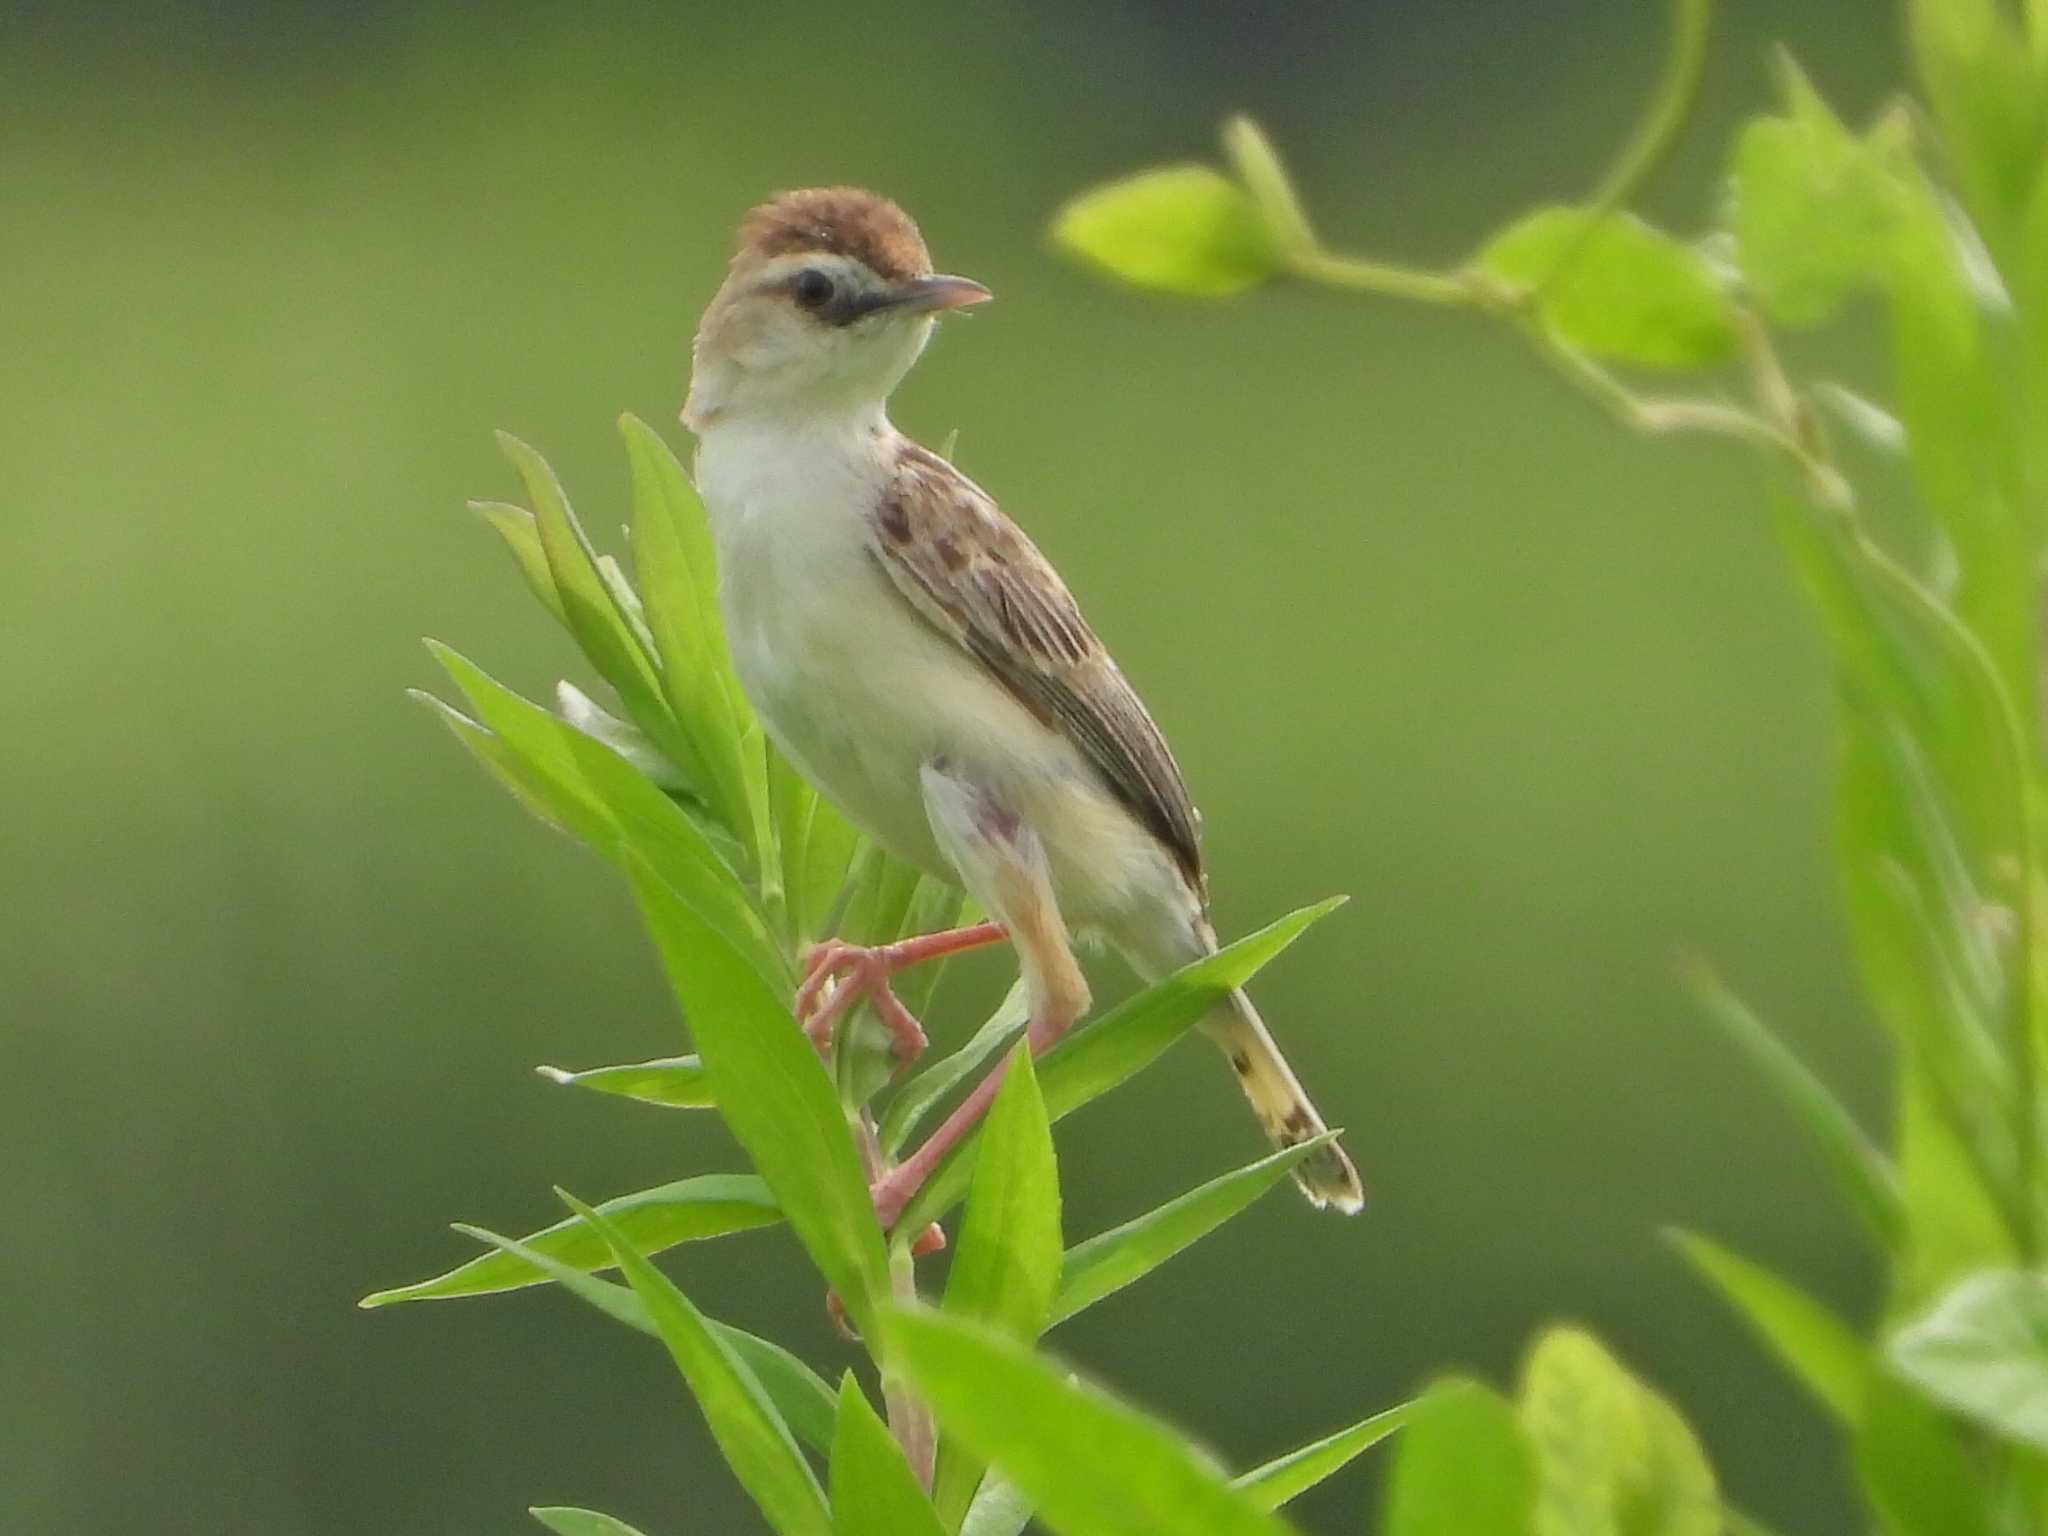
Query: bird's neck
[{"x": 749, "y": 463}]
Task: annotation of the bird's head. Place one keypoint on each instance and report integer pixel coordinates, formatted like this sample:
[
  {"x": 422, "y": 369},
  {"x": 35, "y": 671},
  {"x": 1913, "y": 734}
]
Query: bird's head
[{"x": 830, "y": 299}]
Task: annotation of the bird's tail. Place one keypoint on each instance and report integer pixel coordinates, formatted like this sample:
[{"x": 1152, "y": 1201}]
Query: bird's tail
[{"x": 1326, "y": 1175}]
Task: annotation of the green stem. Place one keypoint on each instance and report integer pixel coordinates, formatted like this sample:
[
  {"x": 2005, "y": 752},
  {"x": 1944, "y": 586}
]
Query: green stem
[
  {"x": 2013, "y": 762},
  {"x": 1654, "y": 131},
  {"x": 1394, "y": 282}
]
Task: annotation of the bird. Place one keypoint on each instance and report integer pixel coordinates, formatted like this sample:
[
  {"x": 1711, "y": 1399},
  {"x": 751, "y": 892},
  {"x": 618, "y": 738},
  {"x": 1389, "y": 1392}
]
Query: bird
[{"x": 912, "y": 654}]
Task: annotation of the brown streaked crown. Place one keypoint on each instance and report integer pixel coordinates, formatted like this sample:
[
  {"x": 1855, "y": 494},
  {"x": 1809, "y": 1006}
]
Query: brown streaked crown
[{"x": 845, "y": 221}]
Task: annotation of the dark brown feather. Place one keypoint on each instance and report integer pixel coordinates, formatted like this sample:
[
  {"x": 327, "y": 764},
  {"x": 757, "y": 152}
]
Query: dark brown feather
[
  {"x": 974, "y": 575},
  {"x": 844, "y": 221}
]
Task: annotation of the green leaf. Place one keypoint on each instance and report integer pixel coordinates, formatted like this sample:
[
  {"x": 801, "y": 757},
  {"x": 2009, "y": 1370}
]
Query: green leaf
[
  {"x": 1867, "y": 1181},
  {"x": 1822, "y": 1351},
  {"x": 1612, "y": 1458},
  {"x": 1982, "y": 1350},
  {"x": 678, "y": 577},
  {"x": 1124, "y": 1041},
  {"x": 1289, "y": 1476},
  {"x": 1185, "y": 229},
  {"x": 515, "y": 525},
  {"x": 1111, "y": 1260},
  {"x": 774, "y": 1095},
  {"x": 1629, "y": 292},
  {"x": 601, "y": 626},
  {"x": 1090, "y": 1465},
  {"x": 756, "y": 1442},
  {"x": 710, "y": 1205},
  {"x": 1989, "y": 92},
  {"x": 1007, "y": 1265},
  {"x": 675, "y": 1082},
  {"x": 1463, "y": 1467},
  {"x": 593, "y": 792},
  {"x": 1813, "y": 209},
  {"x": 566, "y": 1521},
  {"x": 874, "y": 1492},
  {"x": 998, "y": 1509},
  {"x": 1915, "y": 1472},
  {"x": 803, "y": 1399}
]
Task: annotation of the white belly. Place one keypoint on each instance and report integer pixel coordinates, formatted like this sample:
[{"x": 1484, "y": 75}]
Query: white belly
[{"x": 859, "y": 692}]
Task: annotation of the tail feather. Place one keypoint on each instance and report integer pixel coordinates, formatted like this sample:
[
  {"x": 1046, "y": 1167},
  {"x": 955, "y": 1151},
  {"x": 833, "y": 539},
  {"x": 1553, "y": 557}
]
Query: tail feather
[{"x": 1326, "y": 1175}]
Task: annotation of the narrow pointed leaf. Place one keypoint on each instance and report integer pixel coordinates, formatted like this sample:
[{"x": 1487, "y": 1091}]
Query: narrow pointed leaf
[
  {"x": 1123, "y": 1042},
  {"x": 874, "y": 1492},
  {"x": 998, "y": 1509},
  {"x": 756, "y": 1442},
  {"x": 1822, "y": 1351},
  {"x": 710, "y": 1205},
  {"x": 1092, "y": 1466},
  {"x": 1463, "y": 1468},
  {"x": 1111, "y": 1260},
  {"x": 675, "y": 1082},
  {"x": 594, "y": 792},
  {"x": 564, "y": 1520},
  {"x": 774, "y": 1095},
  {"x": 1982, "y": 1350},
  {"x": 1289, "y": 1476},
  {"x": 1864, "y": 1175},
  {"x": 515, "y": 525},
  {"x": 1007, "y": 1265},
  {"x": 600, "y": 626},
  {"x": 672, "y": 547},
  {"x": 805, "y": 1402}
]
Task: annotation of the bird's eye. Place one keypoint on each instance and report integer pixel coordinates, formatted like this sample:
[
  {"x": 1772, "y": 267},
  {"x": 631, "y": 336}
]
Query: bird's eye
[{"x": 812, "y": 288}]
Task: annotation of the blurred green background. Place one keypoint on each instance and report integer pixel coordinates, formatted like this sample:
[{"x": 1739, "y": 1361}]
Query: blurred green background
[{"x": 276, "y": 960}]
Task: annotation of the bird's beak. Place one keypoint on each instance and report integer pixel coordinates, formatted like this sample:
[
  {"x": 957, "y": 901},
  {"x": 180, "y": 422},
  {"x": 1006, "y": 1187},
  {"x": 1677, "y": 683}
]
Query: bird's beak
[{"x": 931, "y": 295}]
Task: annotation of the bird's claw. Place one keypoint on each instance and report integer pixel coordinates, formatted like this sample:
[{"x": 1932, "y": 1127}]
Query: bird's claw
[{"x": 860, "y": 972}]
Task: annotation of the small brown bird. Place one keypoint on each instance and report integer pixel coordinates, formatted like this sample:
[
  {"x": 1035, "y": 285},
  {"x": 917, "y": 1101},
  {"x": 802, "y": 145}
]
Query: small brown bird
[{"x": 911, "y": 652}]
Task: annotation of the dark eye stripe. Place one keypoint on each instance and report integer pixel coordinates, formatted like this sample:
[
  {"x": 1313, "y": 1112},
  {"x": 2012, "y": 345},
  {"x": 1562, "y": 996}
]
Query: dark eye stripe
[{"x": 843, "y": 308}]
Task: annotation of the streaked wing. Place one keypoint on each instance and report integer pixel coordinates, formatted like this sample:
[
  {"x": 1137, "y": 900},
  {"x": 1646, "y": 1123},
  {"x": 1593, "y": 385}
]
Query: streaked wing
[{"x": 974, "y": 575}]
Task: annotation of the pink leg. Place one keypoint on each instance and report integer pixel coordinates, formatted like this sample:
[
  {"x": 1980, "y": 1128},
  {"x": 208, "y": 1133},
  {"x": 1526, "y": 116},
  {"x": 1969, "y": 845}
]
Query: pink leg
[
  {"x": 894, "y": 1191},
  {"x": 865, "y": 973}
]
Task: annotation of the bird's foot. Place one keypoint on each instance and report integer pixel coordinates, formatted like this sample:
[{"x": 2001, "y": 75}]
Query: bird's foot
[
  {"x": 836, "y": 976},
  {"x": 863, "y": 971}
]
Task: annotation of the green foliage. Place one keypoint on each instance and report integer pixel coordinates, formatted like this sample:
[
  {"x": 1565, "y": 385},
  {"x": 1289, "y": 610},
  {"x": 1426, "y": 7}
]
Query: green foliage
[
  {"x": 1612, "y": 1458},
  {"x": 564, "y": 1521},
  {"x": 710, "y": 1205},
  {"x": 873, "y": 1488},
  {"x": 1982, "y": 1350},
  {"x": 1008, "y": 1264},
  {"x": 1615, "y": 287},
  {"x": 1090, "y": 1465},
  {"x": 1185, "y": 230},
  {"x": 737, "y": 864},
  {"x": 1288, "y": 1477},
  {"x": 674, "y": 1082},
  {"x": 1863, "y": 1175},
  {"x": 756, "y": 1441},
  {"x": 1111, "y": 1260},
  {"x": 1821, "y": 1350},
  {"x": 1465, "y": 1467},
  {"x": 1813, "y": 208}
]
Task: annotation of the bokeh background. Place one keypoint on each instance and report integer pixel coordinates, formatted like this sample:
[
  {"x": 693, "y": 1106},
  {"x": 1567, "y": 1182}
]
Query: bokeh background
[{"x": 276, "y": 961}]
